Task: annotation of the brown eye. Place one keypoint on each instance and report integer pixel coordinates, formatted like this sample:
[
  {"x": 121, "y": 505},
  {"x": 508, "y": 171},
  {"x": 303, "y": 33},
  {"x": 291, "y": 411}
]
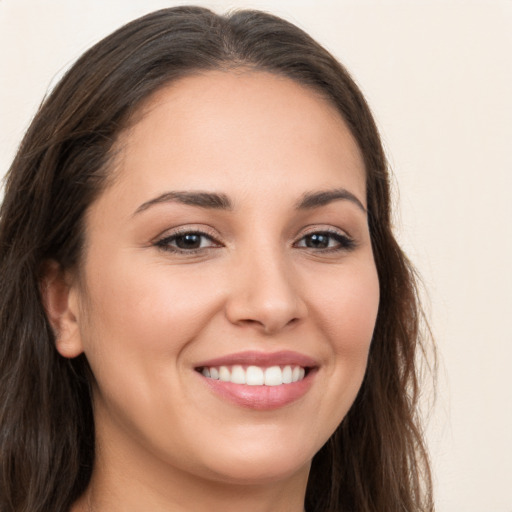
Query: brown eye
[
  {"x": 187, "y": 242},
  {"x": 326, "y": 240},
  {"x": 317, "y": 241}
]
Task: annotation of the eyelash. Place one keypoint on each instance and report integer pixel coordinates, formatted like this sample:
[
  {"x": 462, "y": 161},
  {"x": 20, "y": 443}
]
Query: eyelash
[
  {"x": 344, "y": 242},
  {"x": 165, "y": 243}
]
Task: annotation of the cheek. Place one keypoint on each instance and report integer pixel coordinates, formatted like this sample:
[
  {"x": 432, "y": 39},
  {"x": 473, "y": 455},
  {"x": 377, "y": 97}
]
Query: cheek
[
  {"x": 348, "y": 311},
  {"x": 343, "y": 309},
  {"x": 150, "y": 299},
  {"x": 140, "y": 320},
  {"x": 349, "y": 308},
  {"x": 141, "y": 317}
]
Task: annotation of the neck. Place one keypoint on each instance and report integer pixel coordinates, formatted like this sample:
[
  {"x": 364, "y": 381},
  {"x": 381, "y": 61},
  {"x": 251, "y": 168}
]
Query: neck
[
  {"x": 132, "y": 487},
  {"x": 228, "y": 498}
]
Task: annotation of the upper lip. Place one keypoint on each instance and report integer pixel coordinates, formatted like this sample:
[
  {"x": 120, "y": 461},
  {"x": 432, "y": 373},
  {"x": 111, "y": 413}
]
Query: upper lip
[{"x": 264, "y": 359}]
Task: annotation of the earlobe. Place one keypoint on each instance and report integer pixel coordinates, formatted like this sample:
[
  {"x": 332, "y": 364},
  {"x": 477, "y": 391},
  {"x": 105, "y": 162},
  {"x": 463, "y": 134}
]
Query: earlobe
[{"x": 60, "y": 301}]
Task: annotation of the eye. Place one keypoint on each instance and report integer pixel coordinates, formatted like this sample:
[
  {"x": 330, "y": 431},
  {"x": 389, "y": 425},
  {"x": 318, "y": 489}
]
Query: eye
[
  {"x": 326, "y": 241},
  {"x": 187, "y": 242}
]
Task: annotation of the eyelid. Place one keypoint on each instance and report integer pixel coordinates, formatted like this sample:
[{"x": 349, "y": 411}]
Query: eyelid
[
  {"x": 170, "y": 234},
  {"x": 346, "y": 241},
  {"x": 187, "y": 228},
  {"x": 315, "y": 228},
  {"x": 322, "y": 228}
]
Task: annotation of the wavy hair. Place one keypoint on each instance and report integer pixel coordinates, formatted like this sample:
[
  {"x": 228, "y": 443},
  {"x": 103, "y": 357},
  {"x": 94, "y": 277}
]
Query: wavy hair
[{"x": 376, "y": 461}]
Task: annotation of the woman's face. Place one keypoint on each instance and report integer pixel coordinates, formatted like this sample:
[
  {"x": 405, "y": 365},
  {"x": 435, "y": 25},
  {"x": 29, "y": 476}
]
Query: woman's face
[{"x": 233, "y": 242}]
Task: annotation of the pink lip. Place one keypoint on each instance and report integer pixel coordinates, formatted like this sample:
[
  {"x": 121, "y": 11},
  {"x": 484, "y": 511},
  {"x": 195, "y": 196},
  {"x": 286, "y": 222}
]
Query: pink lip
[
  {"x": 264, "y": 359},
  {"x": 261, "y": 397}
]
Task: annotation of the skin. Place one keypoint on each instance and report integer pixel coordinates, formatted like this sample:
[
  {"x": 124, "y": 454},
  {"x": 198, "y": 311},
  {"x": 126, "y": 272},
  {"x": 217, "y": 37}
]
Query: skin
[{"x": 146, "y": 316}]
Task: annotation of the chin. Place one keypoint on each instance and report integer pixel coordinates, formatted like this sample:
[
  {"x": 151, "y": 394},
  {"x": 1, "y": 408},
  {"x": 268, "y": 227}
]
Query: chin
[
  {"x": 260, "y": 464},
  {"x": 260, "y": 471}
]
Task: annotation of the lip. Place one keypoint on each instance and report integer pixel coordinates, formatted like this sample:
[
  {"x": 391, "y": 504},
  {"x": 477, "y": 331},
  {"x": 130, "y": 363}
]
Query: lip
[
  {"x": 261, "y": 398},
  {"x": 264, "y": 359}
]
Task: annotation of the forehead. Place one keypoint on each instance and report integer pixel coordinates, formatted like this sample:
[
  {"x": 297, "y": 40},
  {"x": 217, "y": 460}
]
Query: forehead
[{"x": 216, "y": 128}]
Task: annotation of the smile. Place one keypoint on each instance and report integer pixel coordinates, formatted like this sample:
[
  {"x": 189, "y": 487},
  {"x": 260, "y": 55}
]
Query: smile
[
  {"x": 255, "y": 375},
  {"x": 259, "y": 380}
]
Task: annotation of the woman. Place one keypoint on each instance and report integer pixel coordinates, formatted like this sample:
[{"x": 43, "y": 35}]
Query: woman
[{"x": 202, "y": 302}]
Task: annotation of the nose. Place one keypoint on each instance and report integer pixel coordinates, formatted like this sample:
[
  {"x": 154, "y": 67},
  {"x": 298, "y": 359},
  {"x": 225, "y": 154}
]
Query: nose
[{"x": 264, "y": 294}]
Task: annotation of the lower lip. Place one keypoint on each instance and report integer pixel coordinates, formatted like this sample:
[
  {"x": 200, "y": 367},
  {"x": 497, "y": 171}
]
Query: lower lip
[{"x": 263, "y": 398}]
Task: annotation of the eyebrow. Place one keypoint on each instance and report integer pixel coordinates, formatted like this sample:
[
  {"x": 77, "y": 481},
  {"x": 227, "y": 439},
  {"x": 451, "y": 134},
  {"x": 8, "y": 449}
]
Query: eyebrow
[
  {"x": 218, "y": 201},
  {"x": 208, "y": 200},
  {"x": 324, "y": 197}
]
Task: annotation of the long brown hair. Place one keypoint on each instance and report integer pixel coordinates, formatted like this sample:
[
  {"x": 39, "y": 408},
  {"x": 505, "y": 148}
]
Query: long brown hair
[{"x": 376, "y": 460}]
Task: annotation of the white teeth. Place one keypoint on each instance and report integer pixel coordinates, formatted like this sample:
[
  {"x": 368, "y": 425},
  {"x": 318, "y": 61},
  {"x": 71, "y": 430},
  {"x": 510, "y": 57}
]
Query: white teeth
[
  {"x": 238, "y": 375},
  {"x": 255, "y": 375},
  {"x": 224, "y": 374},
  {"x": 273, "y": 376}
]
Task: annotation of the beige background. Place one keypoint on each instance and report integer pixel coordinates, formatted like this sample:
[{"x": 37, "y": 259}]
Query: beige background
[{"x": 438, "y": 75}]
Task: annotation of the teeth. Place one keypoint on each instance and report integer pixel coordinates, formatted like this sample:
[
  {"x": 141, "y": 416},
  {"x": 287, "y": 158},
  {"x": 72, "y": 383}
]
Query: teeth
[
  {"x": 255, "y": 375},
  {"x": 287, "y": 375},
  {"x": 224, "y": 374},
  {"x": 297, "y": 374},
  {"x": 273, "y": 376},
  {"x": 238, "y": 375}
]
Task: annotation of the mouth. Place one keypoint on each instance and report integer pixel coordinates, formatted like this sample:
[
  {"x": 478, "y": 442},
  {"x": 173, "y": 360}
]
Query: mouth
[
  {"x": 258, "y": 380},
  {"x": 255, "y": 375}
]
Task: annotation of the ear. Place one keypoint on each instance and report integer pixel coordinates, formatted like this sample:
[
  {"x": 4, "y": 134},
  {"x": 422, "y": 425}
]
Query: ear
[{"x": 60, "y": 300}]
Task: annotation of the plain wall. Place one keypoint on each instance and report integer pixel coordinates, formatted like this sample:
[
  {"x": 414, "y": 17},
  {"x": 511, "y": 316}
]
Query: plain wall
[{"x": 438, "y": 77}]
